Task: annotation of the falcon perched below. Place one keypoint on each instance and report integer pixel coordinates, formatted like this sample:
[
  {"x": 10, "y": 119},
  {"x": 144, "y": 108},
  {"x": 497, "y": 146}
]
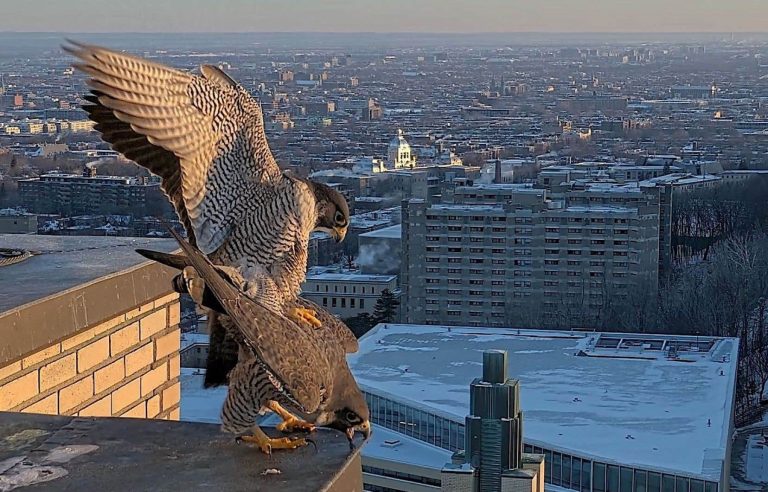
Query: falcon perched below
[
  {"x": 204, "y": 136},
  {"x": 310, "y": 374}
]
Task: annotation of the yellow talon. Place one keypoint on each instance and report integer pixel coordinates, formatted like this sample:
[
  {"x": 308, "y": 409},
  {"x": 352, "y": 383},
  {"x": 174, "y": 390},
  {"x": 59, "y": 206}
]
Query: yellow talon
[
  {"x": 300, "y": 314},
  {"x": 290, "y": 422},
  {"x": 267, "y": 444}
]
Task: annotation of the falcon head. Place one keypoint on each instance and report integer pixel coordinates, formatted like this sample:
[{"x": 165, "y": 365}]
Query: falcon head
[
  {"x": 332, "y": 211},
  {"x": 345, "y": 408}
]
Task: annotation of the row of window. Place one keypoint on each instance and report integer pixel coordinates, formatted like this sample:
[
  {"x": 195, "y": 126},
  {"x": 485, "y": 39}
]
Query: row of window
[
  {"x": 363, "y": 289},
  {"x": 401, "y": 476},
  {"x": 592, "y": 476},
  {"x": 342, "y": 302}
]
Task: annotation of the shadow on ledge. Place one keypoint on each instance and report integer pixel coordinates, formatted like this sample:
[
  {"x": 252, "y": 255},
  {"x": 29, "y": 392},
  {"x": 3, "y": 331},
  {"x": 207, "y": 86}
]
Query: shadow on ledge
[{"x": 121, "y": 454}]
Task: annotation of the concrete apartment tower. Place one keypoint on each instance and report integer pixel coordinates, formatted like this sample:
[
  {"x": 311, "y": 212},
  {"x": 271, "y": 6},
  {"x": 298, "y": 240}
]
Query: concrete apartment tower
[{"x": 493, "y": 460}]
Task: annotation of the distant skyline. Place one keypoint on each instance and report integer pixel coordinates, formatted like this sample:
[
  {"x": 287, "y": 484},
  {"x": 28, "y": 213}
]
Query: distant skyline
[{"x": 422, "y": 16}]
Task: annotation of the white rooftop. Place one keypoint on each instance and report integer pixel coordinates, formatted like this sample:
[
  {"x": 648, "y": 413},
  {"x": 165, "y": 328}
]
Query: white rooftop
[
  {"x": 392, "y": 232},
  {"x": 405, "y": 449},
  {"x": 630, "y": 405}
]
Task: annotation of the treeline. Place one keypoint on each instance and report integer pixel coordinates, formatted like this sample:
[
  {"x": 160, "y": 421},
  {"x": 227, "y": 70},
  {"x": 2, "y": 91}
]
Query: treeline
[{"x": 701, "y": 218}]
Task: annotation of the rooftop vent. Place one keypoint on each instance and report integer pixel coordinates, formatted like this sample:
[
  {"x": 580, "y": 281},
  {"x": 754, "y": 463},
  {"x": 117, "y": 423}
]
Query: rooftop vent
[{"x": 391, "y": 443}]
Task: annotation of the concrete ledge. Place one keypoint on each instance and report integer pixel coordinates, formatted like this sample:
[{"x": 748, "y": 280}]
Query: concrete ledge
[{"x": 119, "y": 454}]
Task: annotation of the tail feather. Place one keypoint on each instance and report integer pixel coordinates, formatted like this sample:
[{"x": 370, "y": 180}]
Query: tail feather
[{"x": 168, "y": 259}]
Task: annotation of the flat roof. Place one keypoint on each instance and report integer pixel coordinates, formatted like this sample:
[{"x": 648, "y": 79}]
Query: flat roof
[
  {"x": 628, "y": 404},
  {"x": 62, "y": 262},
  {"x": 391, "y": 232},
  {"x": 351, "y": 277},
  {"x": 386, "y": 444}
]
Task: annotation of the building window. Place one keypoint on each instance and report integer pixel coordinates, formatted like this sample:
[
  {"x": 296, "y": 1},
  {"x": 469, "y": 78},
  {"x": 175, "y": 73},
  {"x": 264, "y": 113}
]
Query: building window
[
  {"x": 626, "y": 479},
  {"x": 325, "y": 302},
  {"x": 641, "y": 478},
  {"x": 343, "y": 302},
  {"x": 362, "y": 303},
  {"x": 333, "y": 302},
  {"x": 598, "y": 480},
  {"x": 613, "y": 478},
  {"x": 352, "y": 303}
]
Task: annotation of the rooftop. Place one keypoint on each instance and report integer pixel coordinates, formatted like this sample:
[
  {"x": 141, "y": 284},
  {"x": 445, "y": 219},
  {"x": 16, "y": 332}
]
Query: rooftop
[
  {"x": 121, "y": 454},
  {"x": 621, "y": 401},
  {"x": 392, "y": 232},
  {"x": 314, "y": 275},
  {"x": 62, "y": 262}
]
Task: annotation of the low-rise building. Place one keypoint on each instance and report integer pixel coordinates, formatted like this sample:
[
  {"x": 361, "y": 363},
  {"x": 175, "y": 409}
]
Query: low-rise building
[{"x": 346, "y": 294}]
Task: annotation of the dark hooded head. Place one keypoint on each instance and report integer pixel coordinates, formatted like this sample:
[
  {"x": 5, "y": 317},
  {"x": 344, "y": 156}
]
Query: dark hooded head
[
  {"x": 345, "y": 409},
  {"x": 332, "y": 211}
]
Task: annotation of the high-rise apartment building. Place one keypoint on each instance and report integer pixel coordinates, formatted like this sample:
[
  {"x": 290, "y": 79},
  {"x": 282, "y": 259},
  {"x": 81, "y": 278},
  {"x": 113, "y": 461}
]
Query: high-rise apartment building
[{"x": 506, "y": 255}]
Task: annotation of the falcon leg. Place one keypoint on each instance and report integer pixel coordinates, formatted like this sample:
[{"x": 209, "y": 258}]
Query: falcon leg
[
  {"x": 290, "y": 422},
  {"x": 304, "y": 315},
  {"x": 190, "y": 282},
  {"x": 267, "y": 444}
]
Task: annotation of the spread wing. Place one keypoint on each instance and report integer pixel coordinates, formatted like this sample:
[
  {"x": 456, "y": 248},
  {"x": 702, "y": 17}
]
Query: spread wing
[
  {"x": 203, "y": 135},
  {"x": 288, "y": 351}
]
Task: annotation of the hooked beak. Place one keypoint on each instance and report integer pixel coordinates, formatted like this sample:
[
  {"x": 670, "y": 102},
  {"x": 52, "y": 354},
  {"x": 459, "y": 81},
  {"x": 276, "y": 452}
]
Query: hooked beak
[
  {"x": 365, "y": 430},
  {"x": 339, "y": 233}
]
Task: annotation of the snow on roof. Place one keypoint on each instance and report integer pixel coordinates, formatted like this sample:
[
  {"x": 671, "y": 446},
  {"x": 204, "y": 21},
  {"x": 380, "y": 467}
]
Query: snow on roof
[
  {"x": 191, "y": 338},
  {"x": 348, "y": 277},
  {"x": 630, "y": 405},
  {"x": 467, "y": 208},
  {"x": 409, "y": 450},
  {"x": 393, "y": 232},
  {"x": 199, "y": 404},
  {"x": 602, "y": 209}
]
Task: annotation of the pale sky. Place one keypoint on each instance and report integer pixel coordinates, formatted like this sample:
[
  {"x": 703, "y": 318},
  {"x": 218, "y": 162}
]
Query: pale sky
[{"x": 384, "y": 15}]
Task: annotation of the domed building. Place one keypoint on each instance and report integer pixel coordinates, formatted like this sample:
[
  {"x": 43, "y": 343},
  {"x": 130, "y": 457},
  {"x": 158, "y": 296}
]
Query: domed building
[{"x": 399, "y": 153}]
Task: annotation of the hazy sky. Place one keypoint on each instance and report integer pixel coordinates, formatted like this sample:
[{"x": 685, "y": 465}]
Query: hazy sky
[{"x": 385, "y": 15}]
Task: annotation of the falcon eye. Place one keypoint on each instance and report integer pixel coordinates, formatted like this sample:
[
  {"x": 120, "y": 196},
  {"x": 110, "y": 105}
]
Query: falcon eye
[
  {"x": 352, "y": 418},
  {"x": 339, "y": 218}
]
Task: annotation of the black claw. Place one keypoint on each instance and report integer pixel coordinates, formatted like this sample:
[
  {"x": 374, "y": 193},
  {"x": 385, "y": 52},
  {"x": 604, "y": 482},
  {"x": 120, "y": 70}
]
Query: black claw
[
  {"x": 238, "y": 440},
  {"x": 312, "y": 442},
  {"x": 180, "y": 284}
]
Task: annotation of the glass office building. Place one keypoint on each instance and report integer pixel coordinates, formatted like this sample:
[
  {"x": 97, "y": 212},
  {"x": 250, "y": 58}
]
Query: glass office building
[{"x": 568, "y": 470}]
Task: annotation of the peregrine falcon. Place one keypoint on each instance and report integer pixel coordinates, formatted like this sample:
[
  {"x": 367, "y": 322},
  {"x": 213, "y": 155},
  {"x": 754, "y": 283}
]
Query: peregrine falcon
[
  {"x": 310, "y": 374},
  {"x": 203, "y": 135}
]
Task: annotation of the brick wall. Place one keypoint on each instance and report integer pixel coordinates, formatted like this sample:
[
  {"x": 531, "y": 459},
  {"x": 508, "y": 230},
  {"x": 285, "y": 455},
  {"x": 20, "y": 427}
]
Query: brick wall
[{"x": 125, "y": 366}]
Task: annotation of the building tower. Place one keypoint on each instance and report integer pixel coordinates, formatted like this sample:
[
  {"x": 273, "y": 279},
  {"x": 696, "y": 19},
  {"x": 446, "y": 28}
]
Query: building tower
[
  {"x": 399, "y": 153},
  {"x": 493, "y": 459}
]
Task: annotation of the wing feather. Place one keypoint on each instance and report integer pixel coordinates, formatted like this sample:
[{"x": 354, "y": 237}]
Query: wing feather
[{"x": 190, "y": 130}]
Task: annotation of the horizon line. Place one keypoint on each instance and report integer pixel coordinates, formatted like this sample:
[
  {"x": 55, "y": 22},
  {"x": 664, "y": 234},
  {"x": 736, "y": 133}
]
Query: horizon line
[{"x": 436, "y": 33}]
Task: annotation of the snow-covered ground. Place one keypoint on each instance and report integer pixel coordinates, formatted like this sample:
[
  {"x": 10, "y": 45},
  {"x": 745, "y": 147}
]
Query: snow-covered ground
[{"x": 199, "y": 404}]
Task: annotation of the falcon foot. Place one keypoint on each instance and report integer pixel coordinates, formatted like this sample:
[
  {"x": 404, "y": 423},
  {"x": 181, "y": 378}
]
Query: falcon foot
[
  {"x": 303, "y": 315},
  {"x": 290, "y": 423},
  {"x": 194, "y": 283},
  {"x": 267, "y": 444}
]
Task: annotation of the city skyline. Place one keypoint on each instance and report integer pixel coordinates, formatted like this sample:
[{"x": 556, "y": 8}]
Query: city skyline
[{"x": 398, "y": 16}]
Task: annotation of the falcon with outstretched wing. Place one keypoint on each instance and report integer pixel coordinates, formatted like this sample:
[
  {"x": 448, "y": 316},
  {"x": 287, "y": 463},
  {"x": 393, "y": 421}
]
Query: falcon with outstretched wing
[
  {"x": 204, "y": 136},
  {"x": 309, "y": 375}
]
